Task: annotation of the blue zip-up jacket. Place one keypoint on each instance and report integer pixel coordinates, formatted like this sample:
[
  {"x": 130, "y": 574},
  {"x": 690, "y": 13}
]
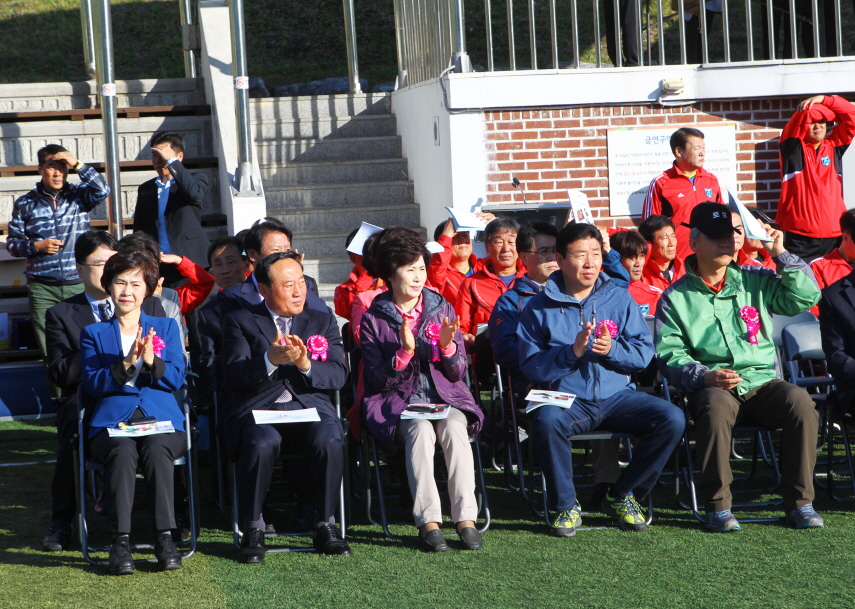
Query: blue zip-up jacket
[
  {"x": 506, "y": 314},
  {"x": 34, "y": 219},
  {"x": 549, "y": 325}
]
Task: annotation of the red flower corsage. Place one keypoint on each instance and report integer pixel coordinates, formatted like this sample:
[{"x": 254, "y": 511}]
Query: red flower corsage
[
  {"x": 317, "y": 346},
  {"x": 432, "y": 331},
  {"x": 752, "y": 319},
  {"x": 157, "y": 345}
]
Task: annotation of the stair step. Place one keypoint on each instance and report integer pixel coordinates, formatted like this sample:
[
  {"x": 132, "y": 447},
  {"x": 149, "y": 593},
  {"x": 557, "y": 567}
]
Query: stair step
[
  {"x": 339, "y": 195},
  {"x": 320, "y": 128},
  {"x": 318, "y": 106},
  {"x": 328, "y": 269},
  {"x": 319, "y": 244},
  {"x": 344, "y": 149},
  {"x": 316, "y": 220},
  {"x": 377, "y": 170}
]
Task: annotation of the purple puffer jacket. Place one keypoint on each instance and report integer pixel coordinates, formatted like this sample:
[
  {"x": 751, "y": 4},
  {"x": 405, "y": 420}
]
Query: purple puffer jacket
[{"x": 386, "y": 389}]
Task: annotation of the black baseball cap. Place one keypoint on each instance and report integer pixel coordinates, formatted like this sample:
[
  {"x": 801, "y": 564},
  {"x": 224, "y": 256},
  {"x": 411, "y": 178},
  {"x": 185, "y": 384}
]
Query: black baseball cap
[{"x": 712, "y": 219}]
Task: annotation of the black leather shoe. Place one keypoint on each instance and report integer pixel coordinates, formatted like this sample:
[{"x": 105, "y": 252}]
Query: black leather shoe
[
  {"x": 58, "y": 537},
  {"x": 470, "y": 538},
  {"x": 328, "y": 539},
  {"x": 121, "y": 559},
  {"x": 166, "y": 553},
  {"x": 433, "y": 541},
  {"x": 252, "y": 547}
]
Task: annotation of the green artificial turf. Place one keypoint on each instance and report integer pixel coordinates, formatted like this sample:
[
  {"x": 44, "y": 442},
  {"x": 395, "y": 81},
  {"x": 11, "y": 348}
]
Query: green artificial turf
[{"x": 674, "y": 564}]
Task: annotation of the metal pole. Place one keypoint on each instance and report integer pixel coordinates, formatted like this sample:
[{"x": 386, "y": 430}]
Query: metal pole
[
  {"x": 107, "y": 95},
  {"x": 640, "y": 32},
  {"x": 512, "y": 47},
  {"x": 770, "y": 20},
  {"x": 399, "y": 45},
  {"x": 618, "y": 41},
  {"x": 188, "y": 22},
  {"x": 532, "y": 35},
  {"x": 660, "y": 29},
  {"x": 241, "y": 82},
  {"x": 553, "y": 34},
  {"x": 350, "y": 41},
  {"x": 458, "y": 37},
  {"x": 597, "y": 36},
  {"x": 725, "y": 29},
  {"x": 682, "y": 19},
  {"x": 705, "y": 55},
  {"x": 793, "y": 40},
  {"x": 88, "y": 28},
  {"x": 815, "y": 12},
  {"x": 749, "y": 30},
  {"x": 838, "y": 34},
  {"x": 488, "y": 12},
  {"x": 577, "y": 61}
]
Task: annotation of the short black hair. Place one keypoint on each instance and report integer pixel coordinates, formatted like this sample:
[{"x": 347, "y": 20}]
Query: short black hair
[
  {"x": 90, "y": 241},
  {"x": 260, "y": 228},
  {"x": 500, "y": 225},
  {"x": 262, "y": 269},
  {"x": 681, "y": 136},
  {"x": 847, "y": 222},
  {"x": 173, "y": 138},
  {"x": 527, "y": 233},
  {"x": 653, "y": 224},
  {"x": 140, "y": 241},
  {"x": 49, "y": 150},
  {"x": 402, "y": 248},
  {"x": 437, "y": 232},
  {"x": 225, "y": 242},
  {"x": 629, "y": 244},
  {"x": 350, "y": 237},
  {"x": 574, "y": 232},
  {"x": 128, "y": 261}
]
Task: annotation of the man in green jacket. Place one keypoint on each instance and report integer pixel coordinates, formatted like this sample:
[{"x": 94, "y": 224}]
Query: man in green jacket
[{"x": 714, "y": 340}]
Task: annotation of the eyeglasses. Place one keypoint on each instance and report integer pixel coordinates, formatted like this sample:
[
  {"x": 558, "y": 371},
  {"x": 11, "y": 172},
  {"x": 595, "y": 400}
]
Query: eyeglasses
[{"x": 542, "y": 252}]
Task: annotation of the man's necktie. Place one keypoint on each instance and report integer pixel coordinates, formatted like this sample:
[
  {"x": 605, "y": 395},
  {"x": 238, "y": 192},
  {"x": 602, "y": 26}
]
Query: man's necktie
[
  {"x": 104, "y": 311},
  {"x": 284, "y": 324}
]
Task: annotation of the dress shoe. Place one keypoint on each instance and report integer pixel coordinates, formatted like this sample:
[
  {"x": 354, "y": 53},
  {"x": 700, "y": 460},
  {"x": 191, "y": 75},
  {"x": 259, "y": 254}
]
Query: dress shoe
[
  {"x": 470, "y": 538},
  {"x": 252, "y": 547},
  {"x": 328, "y": 539},
  {"x": 58, "y": 537},
  {"x": 432, "y": 541},
  {"x": 167, "y": 555},
  {"x": 121, "y": 559}
]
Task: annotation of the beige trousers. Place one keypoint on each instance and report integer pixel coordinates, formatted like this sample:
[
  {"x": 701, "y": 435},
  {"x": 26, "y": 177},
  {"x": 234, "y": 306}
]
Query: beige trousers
[{"x": 419, "y": 439}]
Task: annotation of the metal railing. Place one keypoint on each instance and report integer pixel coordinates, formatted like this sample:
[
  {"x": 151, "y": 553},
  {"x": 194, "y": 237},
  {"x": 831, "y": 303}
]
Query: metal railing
[{"x": 622, "y": 33}]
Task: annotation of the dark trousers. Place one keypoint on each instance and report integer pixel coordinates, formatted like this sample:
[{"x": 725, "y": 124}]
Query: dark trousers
[
  {"x": 804, "y": 28},
  {"x": 62, "y": 488},
  {"x": 776, "y": 405},
  {"x": 658, "y": 424},
  {"x": 628, "y": 18},
  {"x": 809, "y": 248},
  {"x": 321, "y": 442},
  {"x": 155, "y": 455},
  {"x": 694, "y": 42}
]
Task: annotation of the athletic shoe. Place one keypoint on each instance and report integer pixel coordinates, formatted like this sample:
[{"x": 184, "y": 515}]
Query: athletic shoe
[
  {"x": 628, "y": 512},
  {"x": 722, "y": 522},
  {"x": 567, "y": 521},
  {"x": 804, "y": 517}
]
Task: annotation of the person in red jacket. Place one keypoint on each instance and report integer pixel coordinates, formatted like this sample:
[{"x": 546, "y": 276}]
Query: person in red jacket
[
  {"x": 633, "y": 249},
  {"x": 456, "y": 262},
  {"x": 752, "y": 251},
  {"x": 199, "y": 281},
  {"x": 838, "y": 264},
  {"x": 812, "y": 175},
  {"x": 663, "y": 266},
  {"x": 358, "y": 281},
  {"x": 676, "y": 191}
]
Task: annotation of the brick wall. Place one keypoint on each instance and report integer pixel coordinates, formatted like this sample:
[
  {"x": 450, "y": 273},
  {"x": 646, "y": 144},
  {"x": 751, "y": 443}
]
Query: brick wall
[{"x": 550, "y": 151}]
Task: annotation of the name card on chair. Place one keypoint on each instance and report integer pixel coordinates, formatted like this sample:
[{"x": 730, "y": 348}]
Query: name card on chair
[{"x": 273, "y": 417}]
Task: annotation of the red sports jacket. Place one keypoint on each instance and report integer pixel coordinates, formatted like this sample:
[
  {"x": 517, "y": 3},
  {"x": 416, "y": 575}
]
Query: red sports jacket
[
  {"x": 652, "y": 277},
  {"x": 445, "y": 277},
  {"x": 811, "y": 200},
  {"x": 646, "y": 296},
  {"x": 478, "y": 295}
]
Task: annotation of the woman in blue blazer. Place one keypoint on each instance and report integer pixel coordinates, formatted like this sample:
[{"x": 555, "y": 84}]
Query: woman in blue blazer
[{"x": 131, "y": 366}]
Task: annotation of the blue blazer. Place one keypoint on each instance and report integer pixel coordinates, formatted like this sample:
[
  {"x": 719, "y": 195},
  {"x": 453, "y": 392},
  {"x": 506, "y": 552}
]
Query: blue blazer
[{"x": 104, "y": 374}]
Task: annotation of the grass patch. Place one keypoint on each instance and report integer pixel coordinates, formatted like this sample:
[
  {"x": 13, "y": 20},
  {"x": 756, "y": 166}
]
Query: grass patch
[{"x": 675, "y": 564}]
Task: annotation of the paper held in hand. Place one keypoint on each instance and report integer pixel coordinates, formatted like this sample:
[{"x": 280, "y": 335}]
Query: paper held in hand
[
  {"x": 580, "y": 207},
  {"x": 138, "y": 431},
  {"x": 539, "y": 397},
  {"x": 430, "y": 412},
  {"x": 274, "y": 417},
  {"x": 466, "y": 221},
  {"x": 752, "y": 226},
  {"x": 365, "y": 231}
]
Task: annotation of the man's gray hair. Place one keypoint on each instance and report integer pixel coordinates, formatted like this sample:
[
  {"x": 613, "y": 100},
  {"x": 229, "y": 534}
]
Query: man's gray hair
[{"x": 695, "y": 234}]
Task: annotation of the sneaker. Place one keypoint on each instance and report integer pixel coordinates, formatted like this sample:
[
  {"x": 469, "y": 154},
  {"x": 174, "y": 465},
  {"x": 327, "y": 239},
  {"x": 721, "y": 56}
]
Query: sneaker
[
  {"x": 567, "y": 521},
  {"x": 804, "y": 517},
  {"x": 628, "y": 512},
  {"x": 722, "y": 522}
]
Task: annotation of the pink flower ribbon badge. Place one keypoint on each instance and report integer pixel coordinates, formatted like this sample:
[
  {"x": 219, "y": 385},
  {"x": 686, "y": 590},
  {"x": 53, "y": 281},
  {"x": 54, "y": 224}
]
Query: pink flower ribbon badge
[
  {"x": 609, "y": 325},
  {"x": 752, "y": 319},
  {"x": 432, "y": 331},
  {"x": 157, "y": 345},
  {"x": 317, "y": 346}
]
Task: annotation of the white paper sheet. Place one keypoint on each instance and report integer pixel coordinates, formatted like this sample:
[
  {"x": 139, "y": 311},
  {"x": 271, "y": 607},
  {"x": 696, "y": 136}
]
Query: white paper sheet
[
  {"x": 273, "y": 417},
  {"x": 365, "y": 231},
  {"x": 158, "y": 427}
]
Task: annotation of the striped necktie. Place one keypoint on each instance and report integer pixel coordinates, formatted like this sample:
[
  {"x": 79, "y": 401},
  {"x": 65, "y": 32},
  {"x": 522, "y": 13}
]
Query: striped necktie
[{"x": 284, "y": 324}]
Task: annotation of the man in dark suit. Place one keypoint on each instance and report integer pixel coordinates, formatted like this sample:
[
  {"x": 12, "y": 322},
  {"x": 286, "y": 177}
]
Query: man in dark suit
[
  {"x": 63, "y": 324},
  {"x": 169, "y": 207},
  {"x": 837, "y": 326},
  {"x": 282, "y": 355}
]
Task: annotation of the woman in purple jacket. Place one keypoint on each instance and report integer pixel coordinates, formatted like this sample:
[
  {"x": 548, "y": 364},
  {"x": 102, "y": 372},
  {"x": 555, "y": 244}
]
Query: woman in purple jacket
[{"x": 413, "y": 354}]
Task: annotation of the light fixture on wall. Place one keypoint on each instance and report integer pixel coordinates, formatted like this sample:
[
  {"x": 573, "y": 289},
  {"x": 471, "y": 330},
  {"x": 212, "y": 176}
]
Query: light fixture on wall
[{"x": 672, "y": 86}]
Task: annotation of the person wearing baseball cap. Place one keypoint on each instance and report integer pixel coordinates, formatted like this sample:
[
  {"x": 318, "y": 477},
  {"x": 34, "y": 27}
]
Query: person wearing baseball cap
[{"x": 726, "y": 363}]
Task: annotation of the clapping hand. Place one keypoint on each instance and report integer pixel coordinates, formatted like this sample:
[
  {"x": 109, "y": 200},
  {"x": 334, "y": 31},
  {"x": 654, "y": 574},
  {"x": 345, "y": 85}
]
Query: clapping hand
[
  {"x": 447, "y": 332},
  {"x": 408, "y": 341},
  {"x": 603, "y": 342},
  {"x": 143, "y": 348},
  {"x": 582, "y": 338}
]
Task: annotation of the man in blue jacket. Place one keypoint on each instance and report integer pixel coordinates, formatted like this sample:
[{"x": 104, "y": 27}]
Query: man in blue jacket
[{"x": 585, "y": 336}]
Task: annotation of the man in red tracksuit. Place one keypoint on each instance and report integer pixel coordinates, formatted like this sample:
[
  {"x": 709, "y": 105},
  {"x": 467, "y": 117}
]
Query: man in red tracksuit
[
  {"x": 812, "y": 175},
  {"x": 455, "y": 263},
  {"x": 676, "y": 191}
]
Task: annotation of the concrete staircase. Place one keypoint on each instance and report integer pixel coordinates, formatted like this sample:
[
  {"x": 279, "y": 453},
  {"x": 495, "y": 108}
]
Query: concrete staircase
[{"x": 328, "y": 163}]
